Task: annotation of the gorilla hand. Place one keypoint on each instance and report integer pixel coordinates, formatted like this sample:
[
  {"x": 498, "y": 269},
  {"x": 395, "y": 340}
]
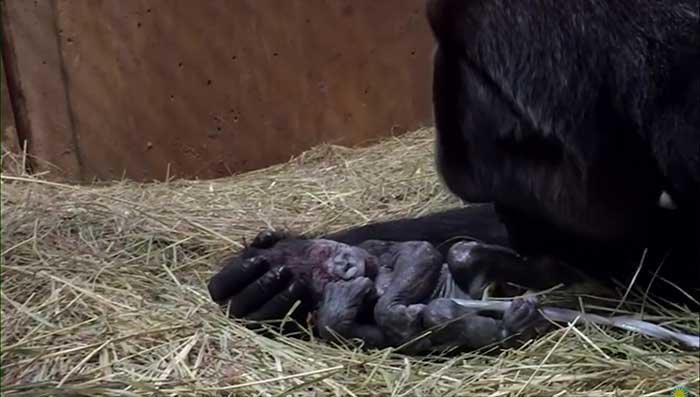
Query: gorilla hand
[{"x": 254, "y": 289}]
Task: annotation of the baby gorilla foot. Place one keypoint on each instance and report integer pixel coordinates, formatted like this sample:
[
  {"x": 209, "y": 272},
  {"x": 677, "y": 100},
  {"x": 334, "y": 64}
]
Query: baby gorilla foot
[
  {"x": 480, "y": 269},
  {"x": 455, "y": 326},
  {"x": 522, "y": 317},
  {"x": 440, "y": 312}
]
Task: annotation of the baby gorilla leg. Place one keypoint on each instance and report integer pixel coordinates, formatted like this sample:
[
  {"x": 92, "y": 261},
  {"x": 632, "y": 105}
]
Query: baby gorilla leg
[
  {"x": 338, "y": 312},
  {"x": 474, "y": 266},
  {"x": 456, "y": 327}
]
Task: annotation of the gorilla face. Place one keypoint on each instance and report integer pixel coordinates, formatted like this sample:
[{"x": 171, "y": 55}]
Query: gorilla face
[{"x": 320, "y": 261}]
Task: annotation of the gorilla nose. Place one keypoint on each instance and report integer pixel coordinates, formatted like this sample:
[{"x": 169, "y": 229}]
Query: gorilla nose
[
  {"x": 666, "y": 201},
  {"x": 350, "y": 272},
  {"x": 349, "y": 269}
]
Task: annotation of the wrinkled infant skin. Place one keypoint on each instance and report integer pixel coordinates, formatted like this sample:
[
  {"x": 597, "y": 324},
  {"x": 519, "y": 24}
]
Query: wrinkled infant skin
[
  {"x": 412, "y": 297},
  {"x": 390, "y": 293}
]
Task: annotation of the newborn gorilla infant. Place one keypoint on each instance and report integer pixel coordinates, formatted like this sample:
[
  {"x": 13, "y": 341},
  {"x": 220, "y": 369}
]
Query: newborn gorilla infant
[
  {"x": 391, "y": 293},
  {"x": 408, "y": 295}
]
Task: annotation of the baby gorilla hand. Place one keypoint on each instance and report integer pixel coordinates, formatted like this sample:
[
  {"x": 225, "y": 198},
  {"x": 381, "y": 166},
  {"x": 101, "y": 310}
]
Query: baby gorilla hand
[
  {"x": 340, "y": 304},
  {"x": 339, "y": 308}
]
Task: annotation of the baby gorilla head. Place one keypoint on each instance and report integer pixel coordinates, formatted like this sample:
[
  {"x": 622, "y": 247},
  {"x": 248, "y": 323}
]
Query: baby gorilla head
[
  {"x": 318, "y": 262},
  {"x": 340, "y": 260}
]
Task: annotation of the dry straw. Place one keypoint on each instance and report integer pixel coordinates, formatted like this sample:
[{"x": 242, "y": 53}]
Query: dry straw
[{"x": 103, "y": 293}]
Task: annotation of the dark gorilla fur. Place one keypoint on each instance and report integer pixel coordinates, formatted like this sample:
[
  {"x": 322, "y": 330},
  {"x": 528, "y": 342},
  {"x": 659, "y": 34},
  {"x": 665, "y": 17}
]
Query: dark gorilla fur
[
  {"x": 569, "y": 119},
  {"x": 573, "y": 127},
  {"x": 572, "y": 117}
]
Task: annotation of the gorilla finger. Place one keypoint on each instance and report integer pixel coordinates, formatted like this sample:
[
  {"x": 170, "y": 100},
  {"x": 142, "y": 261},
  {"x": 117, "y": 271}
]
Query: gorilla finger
[
  {"x": 268, "y": 238},
  {"x": 259, "y": 292},
  {"x": 280, "y": 304},
  {"x": 235, "y": 276}
]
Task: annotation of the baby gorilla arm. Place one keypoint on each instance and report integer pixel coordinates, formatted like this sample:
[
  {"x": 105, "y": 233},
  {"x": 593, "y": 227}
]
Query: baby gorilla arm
[{"x": 415, "y": 269}]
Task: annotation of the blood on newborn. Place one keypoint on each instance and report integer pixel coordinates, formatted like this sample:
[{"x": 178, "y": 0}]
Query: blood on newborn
[{"x": 318, "y": 262}]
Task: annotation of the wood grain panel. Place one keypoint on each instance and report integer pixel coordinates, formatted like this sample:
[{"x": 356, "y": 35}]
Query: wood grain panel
[
  {"x": 10, "y": 139},
  {"x": 37, "y": 82},
  {"x": 209, "y": 88}
]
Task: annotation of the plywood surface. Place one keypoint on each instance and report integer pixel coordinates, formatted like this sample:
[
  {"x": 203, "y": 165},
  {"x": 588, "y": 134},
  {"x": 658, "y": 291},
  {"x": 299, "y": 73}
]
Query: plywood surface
[{"x": 149, "y": 88}]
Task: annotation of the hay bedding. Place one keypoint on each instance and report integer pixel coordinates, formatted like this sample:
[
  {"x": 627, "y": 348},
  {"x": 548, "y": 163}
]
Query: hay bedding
[{"x": 103, "y": 293}]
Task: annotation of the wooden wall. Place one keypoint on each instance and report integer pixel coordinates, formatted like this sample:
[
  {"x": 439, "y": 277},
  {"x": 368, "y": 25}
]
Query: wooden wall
[
  {"x": 142, "y": 88},
  {"x": 10, "y": 138}
]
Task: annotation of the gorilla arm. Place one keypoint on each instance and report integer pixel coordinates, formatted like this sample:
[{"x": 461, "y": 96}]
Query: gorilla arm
[{"x": 478, "y": 222}]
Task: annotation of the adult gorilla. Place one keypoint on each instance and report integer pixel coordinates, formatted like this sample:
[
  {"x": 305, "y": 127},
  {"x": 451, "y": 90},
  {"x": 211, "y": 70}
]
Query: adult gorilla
[{"x": 573, "y": 118}]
